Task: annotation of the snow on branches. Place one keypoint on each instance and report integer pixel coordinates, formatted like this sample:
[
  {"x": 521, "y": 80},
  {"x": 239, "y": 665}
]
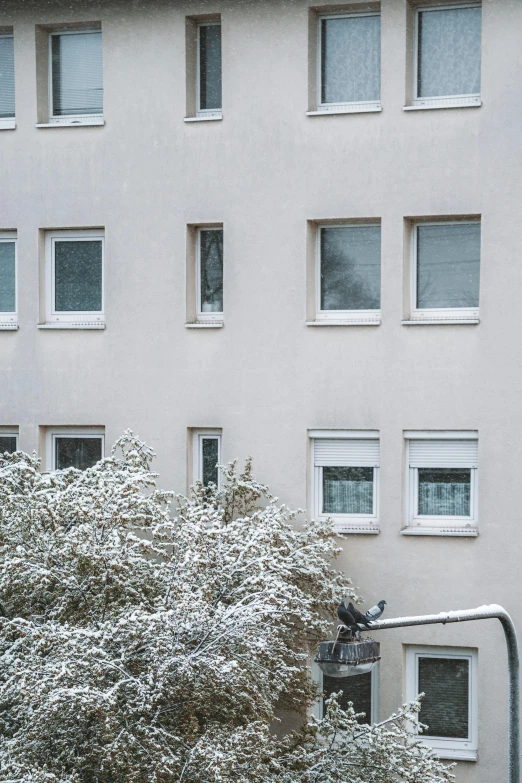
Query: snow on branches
[{"x": 150, "y": 638}]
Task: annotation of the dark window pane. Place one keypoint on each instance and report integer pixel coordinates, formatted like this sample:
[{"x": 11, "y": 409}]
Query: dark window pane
[
  {"x": 444, "y": 709},
  {"x": 211, "y": 260},
  {"x": 78, "y": 452},
  {"x": 351, "y": 59},
  {"x": 357, "y": 689},
  {"x": 449, "y": 52},
  {"x": 7, "y": 443},
  {"x": 210, "y": 66},
  {"x": 210, "y": 449},
  {"x": 448, "y": 265},
  {"x": 7, "y": 86},
  {"x": 444, "y": 492},
  {"x": 351, "y": 268},
  {"x": 347, "y": 490},
  {"x": 7, "y": 276},
  {"x": 78, "y": 276},
  {"x": 77, "y": 74}
]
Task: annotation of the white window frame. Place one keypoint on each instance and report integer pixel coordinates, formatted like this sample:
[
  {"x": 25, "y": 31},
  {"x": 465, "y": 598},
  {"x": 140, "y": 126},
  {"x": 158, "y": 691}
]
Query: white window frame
[
  {"x": 442, "y": 101},
  {"x": 437, "y": 313},
  {"x": 345, "y": 316},
  {"x": 10, "y": 320},
  {"x": 52, "y": 433},
  {"x": 446, "y": 747},
  {"x": 76, "y": 316},
  {"x": 347, "y": 106},
  {"x": 415, "y": 520},
  {"x": 201, "y": 317},
  {"x": 197, "y": 451},
  {"x": 344, "y": 523},
  {"x": 209, "y": 114},
  {"x": 8, "y": 123},
  {"x": 317, "y": 706},
  {"x": 10, "y": 432},
  {"x": 69, "y": 119}
]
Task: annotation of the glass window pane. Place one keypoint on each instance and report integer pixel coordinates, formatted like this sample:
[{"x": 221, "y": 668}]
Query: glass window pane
[
  {"x": 211, "y": 270},
  {"x": 210, "y": 66},
  {"x": 445, "y": 706},
  {"x": 7, "y": 443},
  {"x": 7, "y": 277},
  {"x": 448, "y": 265},
  {"x": 357, "y": 689},
  {"x": 77, "y": 74},
  {"x": 78, "y": 276},
  {"x": 7, "y": 86},
  {"x": 210, "y": 454},
  {"x": 351, "y": 268},
  {"x": 444, "y": 492},
  {"x": 81, "y": 453},
  {"x": 347, "y": 490},
  {"x": 351, "y": 59},
  {"x": 449, "y": 52}
]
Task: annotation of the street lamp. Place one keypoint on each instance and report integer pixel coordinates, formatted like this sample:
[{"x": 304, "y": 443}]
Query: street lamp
[{"x": 333, "y": 657}]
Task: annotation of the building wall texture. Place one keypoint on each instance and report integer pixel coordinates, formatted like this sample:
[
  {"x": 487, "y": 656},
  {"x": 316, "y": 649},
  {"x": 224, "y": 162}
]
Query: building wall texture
[{"x": 266, "y": 378}]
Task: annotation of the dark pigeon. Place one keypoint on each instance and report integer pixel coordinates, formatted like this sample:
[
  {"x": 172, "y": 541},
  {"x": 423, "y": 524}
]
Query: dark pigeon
[
  {"x": 345, "y": 616},
  {"x": 359, "y": 618},
  {"x": 375, "y": 612}
]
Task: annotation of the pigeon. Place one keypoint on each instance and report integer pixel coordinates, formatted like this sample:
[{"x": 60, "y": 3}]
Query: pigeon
[
  {"x": 358, "y": 617},
  {"x": 345, "y": 616},
  {"x": 375, "y": 612}
]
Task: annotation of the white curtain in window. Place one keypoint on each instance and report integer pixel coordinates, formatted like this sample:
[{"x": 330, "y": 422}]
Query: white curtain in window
[
  {"x": 77, "y": 78},
  {"x": 445, "y": 706},
  {"x": 448, "y": 265},
  {"x": 444, "y": 498},
  {"x": 7, "y": 87},
  {"x": 347, "y": 497},
  {"x": 351, "y": 59},
  {"x": 449, "y": 52},
  {"x": 7, "y": 277}
]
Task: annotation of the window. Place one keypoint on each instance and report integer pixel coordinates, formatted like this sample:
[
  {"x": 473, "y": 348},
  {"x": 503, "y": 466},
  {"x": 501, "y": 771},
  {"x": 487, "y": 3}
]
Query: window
[
  {"x": 442, "y": 479},
  {"x": 7, "y": 85},
  {"x": 8, "y": 440},
  {"x": 74, "y": 448},
  {"x": 349, "y": 272},
  {"x": 446, "y": 270},
  {"x": 74, "y": 278},
  {"x": 448, "y": 678},
  {"x": 447, "y": 61},
  {"x": 349, "y": 62},
  {"x": 362, "y": 690},
  {"x": 346, "y": 478},
  {"x": 8, "y": 314},
  {"x": 206, "y": 448},
  {"x": 76, "y": 76},
  {"x": 210, "y": 274},
  {"x": 209, "y": 69}
]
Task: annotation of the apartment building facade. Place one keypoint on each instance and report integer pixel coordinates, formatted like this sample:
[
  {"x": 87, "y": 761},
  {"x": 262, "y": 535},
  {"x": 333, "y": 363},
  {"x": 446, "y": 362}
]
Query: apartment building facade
[{"x": 289, "y": 231}]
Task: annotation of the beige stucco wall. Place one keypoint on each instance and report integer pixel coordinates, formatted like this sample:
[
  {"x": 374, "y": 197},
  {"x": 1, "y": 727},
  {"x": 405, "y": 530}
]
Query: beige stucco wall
[{"x": 265, "y": 378}]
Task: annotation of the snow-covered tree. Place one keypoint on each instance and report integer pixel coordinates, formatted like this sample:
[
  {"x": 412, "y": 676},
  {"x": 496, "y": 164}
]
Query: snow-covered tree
[{"x": 151, "y": 638}]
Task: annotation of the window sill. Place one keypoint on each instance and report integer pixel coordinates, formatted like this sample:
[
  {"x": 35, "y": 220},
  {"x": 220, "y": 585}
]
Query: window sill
[
  {"x": 457, "y": 532},
  {"x": 9, "y": 327},
  {"x": 448, "y": 103},
  {"x": 440, "y": 321},
  {"x": 355, "y": 322},
  {"x": 73, "y": 123},
  {"x": 344, "y": 530},
  {"x": 349, "y": 108},
  {"x": 7, "y": 124},
  {"x": 202, "y": 118},
  {"x": 455, "y": 755},
  {"x": 208, "y": 325},
  {"x": 74, "y": 325}
]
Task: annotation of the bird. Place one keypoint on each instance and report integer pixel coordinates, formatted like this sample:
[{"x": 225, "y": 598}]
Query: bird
[
  {"x": 375, "y": 612},
  {"x": 345, "y": 616},
  {"x": 358, "y": 617}
]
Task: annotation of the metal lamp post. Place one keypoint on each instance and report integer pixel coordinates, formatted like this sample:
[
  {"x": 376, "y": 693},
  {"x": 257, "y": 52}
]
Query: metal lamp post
[{"x": 334, "y": 654}]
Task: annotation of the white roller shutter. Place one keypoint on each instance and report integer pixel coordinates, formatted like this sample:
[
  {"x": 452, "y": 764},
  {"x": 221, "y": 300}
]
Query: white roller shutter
[
  {"x": 349, "y": 452},
  {"x": 443, "y": 453}
]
